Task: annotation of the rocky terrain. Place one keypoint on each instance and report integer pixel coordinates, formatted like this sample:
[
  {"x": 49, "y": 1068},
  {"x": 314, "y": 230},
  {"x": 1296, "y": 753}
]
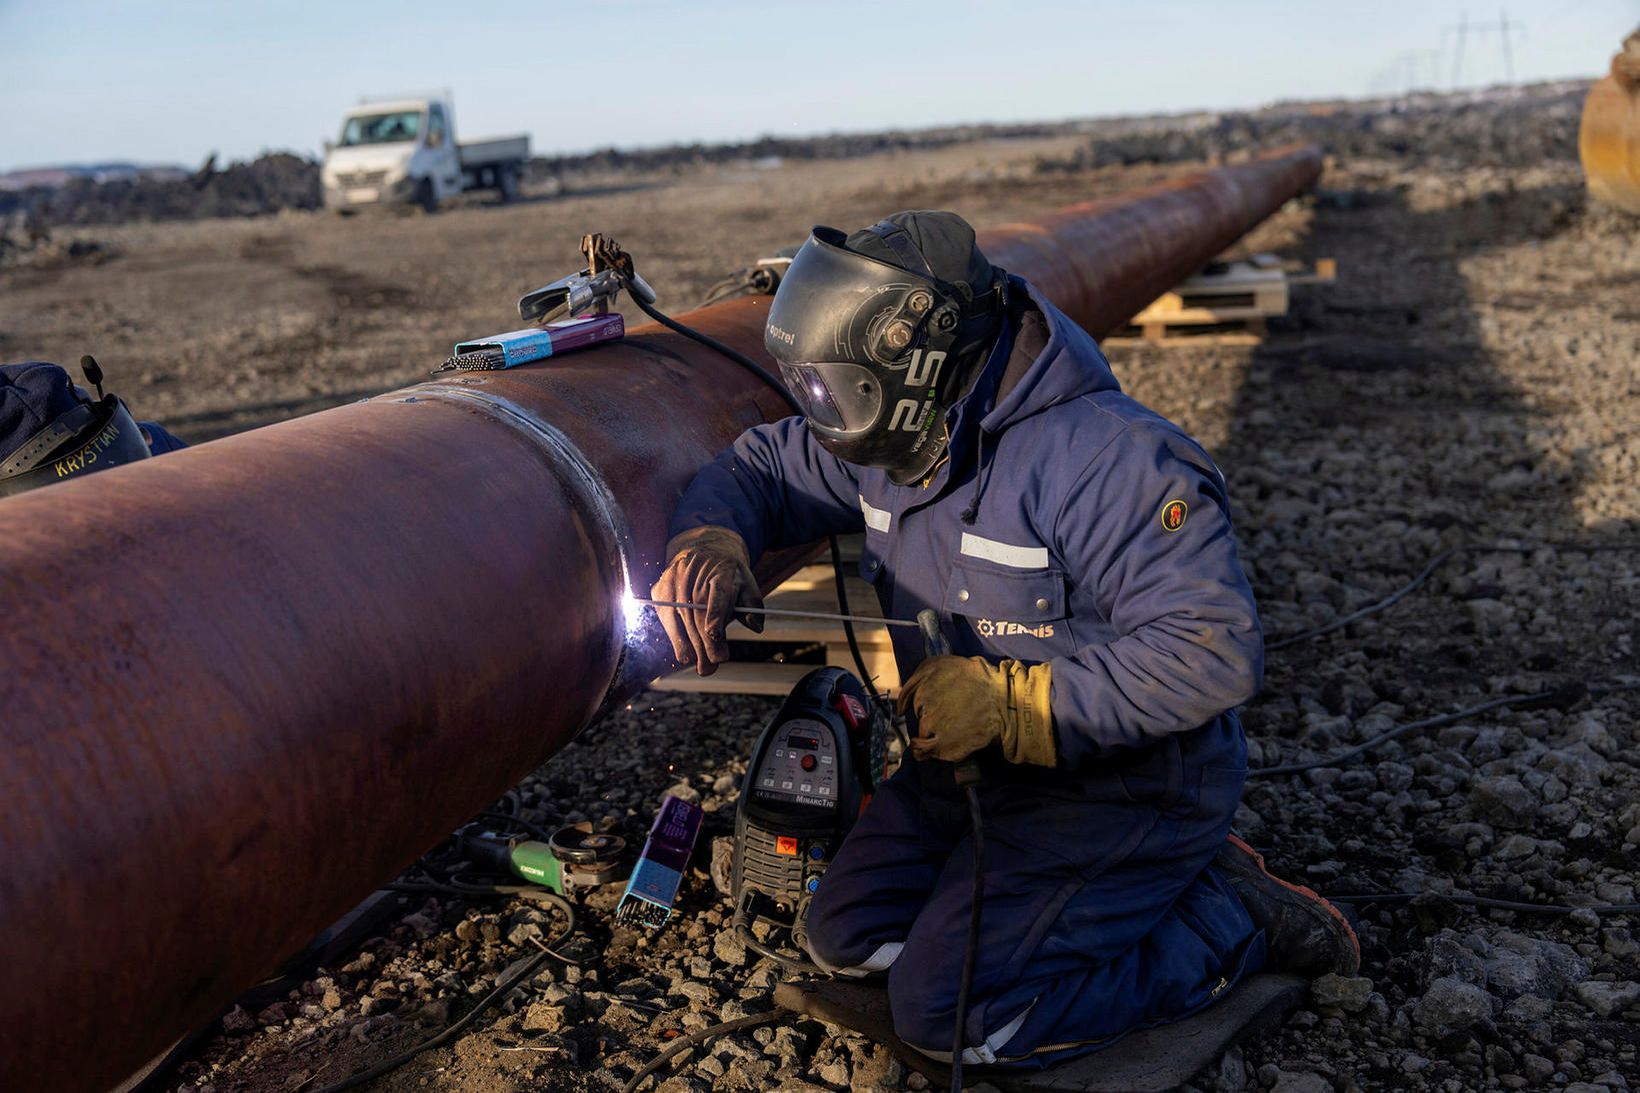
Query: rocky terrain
[{"x": 1471, "y": 383}]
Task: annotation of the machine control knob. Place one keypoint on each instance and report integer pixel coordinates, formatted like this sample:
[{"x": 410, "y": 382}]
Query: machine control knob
[{"x": 808, "y": 762}]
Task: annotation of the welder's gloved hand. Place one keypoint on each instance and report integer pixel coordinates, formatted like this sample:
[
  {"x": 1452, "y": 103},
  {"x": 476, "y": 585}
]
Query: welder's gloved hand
[
  {"x": 963, "y": 704},
  {"x": 706, "y": 565}
]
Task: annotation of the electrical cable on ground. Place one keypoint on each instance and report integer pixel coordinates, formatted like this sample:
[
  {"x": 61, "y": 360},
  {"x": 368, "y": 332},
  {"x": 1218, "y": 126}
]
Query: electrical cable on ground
[
  {"x": 791, "y": 964},
  {"x": 1371, "y": 609},
  {"x": 1485, "y": 901},
  {"x": 684, "y": 1043},
  {"x": 1429, "y": 569},
  {"x": 534, "y": 829},
  {"x": 1558, "y": 698},
  {"x": 970, "y": 956},
  {"x": 523, "y": 973},
  {"x": 1563, "y": 697}
]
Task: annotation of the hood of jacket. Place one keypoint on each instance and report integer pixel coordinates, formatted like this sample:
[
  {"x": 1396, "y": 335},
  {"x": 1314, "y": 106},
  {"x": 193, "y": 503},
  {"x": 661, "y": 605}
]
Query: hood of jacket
[{"x": 1042, "y": 360}]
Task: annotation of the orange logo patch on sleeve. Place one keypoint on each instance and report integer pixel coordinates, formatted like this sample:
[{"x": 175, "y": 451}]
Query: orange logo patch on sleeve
[{"x": 1173, "y": 514}]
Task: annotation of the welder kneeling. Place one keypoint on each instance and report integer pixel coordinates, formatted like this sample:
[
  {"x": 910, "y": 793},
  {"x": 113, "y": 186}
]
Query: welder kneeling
[{"x": 1078, "y": 549}]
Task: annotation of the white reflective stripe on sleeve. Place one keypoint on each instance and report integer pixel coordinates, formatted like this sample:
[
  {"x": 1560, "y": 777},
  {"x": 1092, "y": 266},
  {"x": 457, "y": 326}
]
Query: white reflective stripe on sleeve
[
  {"x": 876, "y": 519},
  {"x": 879, "y": 961},
  {"x": 986, "y": 1053},
  {"x": 1019, "y": 557}
]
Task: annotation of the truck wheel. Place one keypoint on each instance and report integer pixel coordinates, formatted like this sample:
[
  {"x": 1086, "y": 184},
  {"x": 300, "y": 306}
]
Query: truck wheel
[
  {"x": 426, "y": 198},
  {"x": 507, "y": 184}
]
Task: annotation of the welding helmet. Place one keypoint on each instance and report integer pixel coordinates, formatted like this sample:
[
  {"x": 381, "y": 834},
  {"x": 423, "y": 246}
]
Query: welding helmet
[
  {"x": 879, "y": 333},
  {"x": 51, "y": 430}
]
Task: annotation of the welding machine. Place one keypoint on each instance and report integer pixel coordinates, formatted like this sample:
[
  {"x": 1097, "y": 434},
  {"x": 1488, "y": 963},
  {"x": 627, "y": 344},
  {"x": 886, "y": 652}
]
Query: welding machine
[{"x": 814, "y": 768}]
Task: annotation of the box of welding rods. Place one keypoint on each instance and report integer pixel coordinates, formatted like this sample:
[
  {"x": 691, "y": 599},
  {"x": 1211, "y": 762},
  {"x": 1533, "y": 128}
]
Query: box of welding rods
[
  {"x": 653, "y": 887},
  {"x": 535, "y": 343}
]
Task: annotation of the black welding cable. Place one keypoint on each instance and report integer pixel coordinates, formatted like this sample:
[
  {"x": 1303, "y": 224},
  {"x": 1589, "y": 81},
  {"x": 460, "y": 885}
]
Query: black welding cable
[
  {"x": 499, "y": 991},
  {"x": 836, "y": 554},
  {"x": 716, "y": 346},
  {"x": 1486, "y": 902},
  {"x": 455, "y": 886},
  {"x": 736, "y": 284},
  {"x": 1429, "y": 569},
  {"x": 884, "y": 709},
  {"x": 684, "y": 1043},
  {"x": 1371, "y": 609},
  {"x": 970, "y": 955},
  {"x": 791, "y": 964},
  {"x": 1560, "y": 697},
  {"x": 518, "y": 821}
]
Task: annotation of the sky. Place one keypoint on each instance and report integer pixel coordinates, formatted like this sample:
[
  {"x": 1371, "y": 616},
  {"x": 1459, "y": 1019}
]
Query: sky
[{"x": 168, "y": 81}]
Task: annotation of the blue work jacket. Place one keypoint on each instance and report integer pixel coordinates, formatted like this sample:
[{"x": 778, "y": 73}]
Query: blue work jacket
[{"x": 1070, "y": 525}]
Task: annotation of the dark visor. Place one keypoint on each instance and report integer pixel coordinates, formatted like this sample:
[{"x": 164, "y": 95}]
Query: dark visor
[{"x": 835, "y": 395}]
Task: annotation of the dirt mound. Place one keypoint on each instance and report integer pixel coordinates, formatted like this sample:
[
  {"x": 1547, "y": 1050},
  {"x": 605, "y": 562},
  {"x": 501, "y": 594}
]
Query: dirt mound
[
  {"x": 1523, "y": 127},
  {"x": 267, "y": 184},
  {"x": 768, "y": 148}
]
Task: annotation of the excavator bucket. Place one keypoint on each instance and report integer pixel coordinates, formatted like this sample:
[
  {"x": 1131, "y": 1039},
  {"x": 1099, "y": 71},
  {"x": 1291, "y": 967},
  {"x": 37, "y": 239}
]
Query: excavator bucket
[{"x": 1609, "y": 142}]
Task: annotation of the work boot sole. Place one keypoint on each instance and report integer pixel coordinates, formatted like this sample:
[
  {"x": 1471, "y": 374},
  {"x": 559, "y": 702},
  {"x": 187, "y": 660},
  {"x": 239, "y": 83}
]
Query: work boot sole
[{"x": 1309, "y": 903}]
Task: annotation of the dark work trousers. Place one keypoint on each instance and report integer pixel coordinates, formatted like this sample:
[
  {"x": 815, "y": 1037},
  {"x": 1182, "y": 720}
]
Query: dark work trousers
[{"x": 1100, "y": 913}]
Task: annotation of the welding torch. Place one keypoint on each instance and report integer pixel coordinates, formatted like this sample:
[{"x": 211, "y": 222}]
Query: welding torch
[{"x": 778, "y": 612}]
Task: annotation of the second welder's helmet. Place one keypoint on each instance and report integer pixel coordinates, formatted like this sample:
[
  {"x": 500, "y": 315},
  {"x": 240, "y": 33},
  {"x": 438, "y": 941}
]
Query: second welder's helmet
[
  {"x": 880, "y": 332},
  {"x": 51, "y": 430}
]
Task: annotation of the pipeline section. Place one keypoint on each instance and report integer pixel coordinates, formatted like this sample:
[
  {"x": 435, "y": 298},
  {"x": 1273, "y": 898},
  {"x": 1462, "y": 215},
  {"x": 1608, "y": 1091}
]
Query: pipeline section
[
  {"x": 249, "y": 682},
  {"x": 1608, "y": 140}
]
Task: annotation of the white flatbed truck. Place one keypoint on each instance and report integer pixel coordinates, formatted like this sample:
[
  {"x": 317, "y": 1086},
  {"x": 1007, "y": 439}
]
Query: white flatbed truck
[{"x": 404, "y": 151}]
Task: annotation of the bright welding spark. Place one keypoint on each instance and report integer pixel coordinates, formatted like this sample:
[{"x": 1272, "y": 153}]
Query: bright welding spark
[{"x": 633, "y": 612}]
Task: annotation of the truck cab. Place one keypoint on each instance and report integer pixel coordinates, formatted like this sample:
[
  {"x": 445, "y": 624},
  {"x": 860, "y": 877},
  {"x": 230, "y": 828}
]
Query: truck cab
[{"x": 403, "y": 151}]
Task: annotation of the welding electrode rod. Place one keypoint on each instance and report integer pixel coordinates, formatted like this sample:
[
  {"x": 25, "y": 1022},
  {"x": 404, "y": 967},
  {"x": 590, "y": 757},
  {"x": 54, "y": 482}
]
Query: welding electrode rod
[{"x": 783, "y": 612}]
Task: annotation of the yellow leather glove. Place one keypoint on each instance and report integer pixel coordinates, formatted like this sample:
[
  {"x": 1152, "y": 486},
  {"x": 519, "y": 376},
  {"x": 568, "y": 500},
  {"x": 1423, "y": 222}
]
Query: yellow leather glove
[
  {"x": 706, "y": 565},
  {"x": 963, "y": 704}
]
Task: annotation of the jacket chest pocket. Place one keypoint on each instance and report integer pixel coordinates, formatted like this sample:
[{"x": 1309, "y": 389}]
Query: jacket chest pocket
[{"x": 1017, "y": 613}]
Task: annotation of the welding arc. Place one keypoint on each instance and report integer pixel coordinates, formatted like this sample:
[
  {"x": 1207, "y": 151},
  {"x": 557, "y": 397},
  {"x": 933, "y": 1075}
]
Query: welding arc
[{"x": 780, "y": 611}]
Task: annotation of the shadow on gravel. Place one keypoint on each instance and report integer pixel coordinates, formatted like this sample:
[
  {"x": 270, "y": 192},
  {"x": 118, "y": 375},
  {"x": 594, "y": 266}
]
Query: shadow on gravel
[{"x": 1384, "y": 425}]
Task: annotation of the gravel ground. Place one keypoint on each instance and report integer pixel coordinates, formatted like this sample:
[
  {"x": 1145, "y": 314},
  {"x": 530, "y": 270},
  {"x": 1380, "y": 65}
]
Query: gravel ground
[{"x": 1470, "y": 382}]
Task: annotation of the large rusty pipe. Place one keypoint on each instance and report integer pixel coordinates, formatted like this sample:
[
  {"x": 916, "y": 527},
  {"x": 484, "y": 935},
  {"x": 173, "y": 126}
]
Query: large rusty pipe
[
  {"x": 248, "y": 682},
  {"x": 1608, "y": 139}
]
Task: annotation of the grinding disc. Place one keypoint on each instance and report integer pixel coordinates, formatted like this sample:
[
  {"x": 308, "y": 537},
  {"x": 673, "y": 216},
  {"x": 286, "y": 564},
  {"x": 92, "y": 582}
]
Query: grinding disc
[{"x": 580, "y": 845}]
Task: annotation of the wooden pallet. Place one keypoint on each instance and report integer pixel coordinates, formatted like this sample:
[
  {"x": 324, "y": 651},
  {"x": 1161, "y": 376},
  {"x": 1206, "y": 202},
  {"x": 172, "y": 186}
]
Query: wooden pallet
[
  {"x": 1229, "y": 303},
  {"x": 811, "y": 588}
]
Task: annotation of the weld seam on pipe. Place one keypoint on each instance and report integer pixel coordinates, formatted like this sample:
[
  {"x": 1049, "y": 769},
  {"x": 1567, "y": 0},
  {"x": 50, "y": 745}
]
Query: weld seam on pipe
[{"x": 574, "y": 471}]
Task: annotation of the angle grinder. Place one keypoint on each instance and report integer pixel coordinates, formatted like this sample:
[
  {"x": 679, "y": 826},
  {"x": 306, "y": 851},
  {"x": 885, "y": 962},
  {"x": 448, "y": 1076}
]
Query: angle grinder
[
  {"x": 813, "y": 770},
  {"x": 575, "y": 856}
]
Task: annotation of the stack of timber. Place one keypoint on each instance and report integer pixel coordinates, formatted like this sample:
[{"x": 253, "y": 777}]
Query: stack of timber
[
  {"x": 798, "y": 646},
  {"x": 1228, "y": 302}
]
